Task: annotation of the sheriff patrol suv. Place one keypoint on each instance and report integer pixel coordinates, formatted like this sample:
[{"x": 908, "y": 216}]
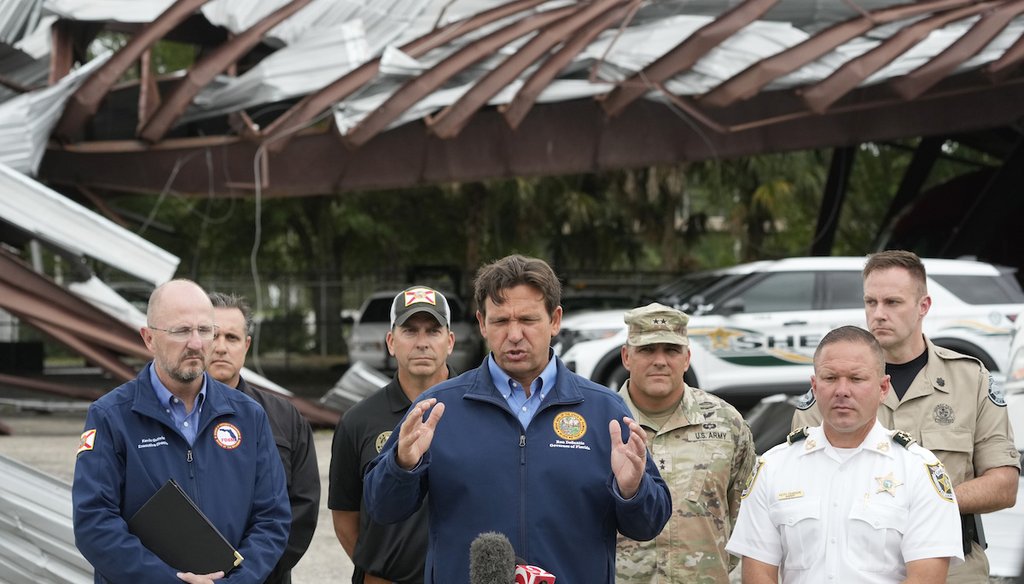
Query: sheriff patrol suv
[{"x": 754, "y": 327}]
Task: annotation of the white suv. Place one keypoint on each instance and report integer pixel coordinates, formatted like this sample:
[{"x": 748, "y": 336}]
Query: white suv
[{"x": 754, "y": 327}]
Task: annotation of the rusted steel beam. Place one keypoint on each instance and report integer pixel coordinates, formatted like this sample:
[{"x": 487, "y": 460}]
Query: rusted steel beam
[
  {"x": 278, "y": 133},
  {"x": 449, "y": 121},
  {"x": 515, "y": 110},
  {"x": 685, "y": 54},
  {"x": 149, "y": 92},
  {"x": 50, "y": 387},
  {"x": 754, "y": 78},
  {"x": 84, "y": 103},
  {"x": 1002, "y": 67},
  {"x": 846, "y": 78},
  {"x": 556, "y": 138},
  {"x": 154, "y": 128},
  {"x": 977, "y": 38},
  {"x": 429, "y": 81},
  {"x": 62, "y": 51},
  {"x": 95, "y": 354}
]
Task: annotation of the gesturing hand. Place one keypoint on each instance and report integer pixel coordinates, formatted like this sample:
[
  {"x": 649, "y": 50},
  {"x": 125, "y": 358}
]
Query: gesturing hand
[
  {"x": 628, "y": 458},
  {"x": 415, "y": 434},
  {"x": 199, "y": 578}
]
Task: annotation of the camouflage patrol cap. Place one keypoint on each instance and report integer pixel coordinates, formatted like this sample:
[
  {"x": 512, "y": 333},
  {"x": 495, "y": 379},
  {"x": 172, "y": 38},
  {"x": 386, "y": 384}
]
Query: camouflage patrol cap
[{"x": 656, "y": 323}]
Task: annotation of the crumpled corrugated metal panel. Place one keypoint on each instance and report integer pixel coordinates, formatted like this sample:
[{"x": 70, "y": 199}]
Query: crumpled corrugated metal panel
[
  {"x": 326, "y": 40},
  {"x": 27, "y": 120},
  {"x": 619, "y": 55},
  {"x": 107, "y": 10},
  {"x": 18, "y": 18},
  {"x": 22, "y": 69},
  {"x": 37, "y": 209},
  {"x": 37, "y": 542}
]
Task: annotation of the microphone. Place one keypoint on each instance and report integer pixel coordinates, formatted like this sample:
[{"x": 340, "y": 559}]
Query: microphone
[{"x": 491, "y": 559}]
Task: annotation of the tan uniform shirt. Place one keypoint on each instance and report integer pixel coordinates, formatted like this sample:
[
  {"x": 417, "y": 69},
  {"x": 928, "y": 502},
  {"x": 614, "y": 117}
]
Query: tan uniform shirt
[
  {"x": 705, "y": 453},
  {"x": 952, "y": 409}
]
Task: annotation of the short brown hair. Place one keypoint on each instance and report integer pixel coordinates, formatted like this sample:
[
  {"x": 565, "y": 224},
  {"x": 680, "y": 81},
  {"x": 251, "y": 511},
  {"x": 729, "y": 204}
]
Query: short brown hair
[
  {"x": 493, "y": 279},
  {"x": 898, "y": 258},
  {"x": 852, "y": 334}
]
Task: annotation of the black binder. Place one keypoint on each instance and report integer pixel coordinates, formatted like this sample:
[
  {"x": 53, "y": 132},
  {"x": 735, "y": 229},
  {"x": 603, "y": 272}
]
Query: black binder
[{"x": 171, "y": 526}]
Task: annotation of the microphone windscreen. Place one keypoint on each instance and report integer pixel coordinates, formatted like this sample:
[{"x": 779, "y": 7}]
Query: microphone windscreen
[{"x": 491, "y": 559}]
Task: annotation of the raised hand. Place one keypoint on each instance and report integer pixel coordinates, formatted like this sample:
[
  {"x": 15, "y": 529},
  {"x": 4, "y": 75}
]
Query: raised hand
[
  {"x": 415, "y": 434},
  {"x": 628, "y": 458},
  {"x": 199, "y": 578}
]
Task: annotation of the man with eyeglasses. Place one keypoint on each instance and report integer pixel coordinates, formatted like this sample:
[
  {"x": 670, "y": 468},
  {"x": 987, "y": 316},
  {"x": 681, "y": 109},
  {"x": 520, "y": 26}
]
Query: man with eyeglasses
[
  {"x": 292, "y": 433},
  {"x": 174, "y": 421}
]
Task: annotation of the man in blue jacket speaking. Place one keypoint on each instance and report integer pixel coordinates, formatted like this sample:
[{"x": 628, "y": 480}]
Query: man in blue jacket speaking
[
  {"x": 521, "y": 446},
  {"x": 175, "y": 422}
]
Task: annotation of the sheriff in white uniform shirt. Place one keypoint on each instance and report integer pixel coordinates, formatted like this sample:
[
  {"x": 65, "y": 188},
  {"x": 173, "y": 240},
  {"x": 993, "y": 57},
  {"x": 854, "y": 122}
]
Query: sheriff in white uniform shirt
[{"x": 849, "y": 501}]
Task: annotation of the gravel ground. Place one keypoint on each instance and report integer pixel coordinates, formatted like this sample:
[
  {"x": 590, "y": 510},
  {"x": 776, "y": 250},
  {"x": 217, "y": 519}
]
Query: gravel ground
[{"x": 48, "y": 443}]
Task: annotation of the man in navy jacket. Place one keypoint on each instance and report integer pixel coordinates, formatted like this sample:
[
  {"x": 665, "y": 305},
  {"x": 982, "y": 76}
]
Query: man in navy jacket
[
  {"x": 525, "y": 448},
  {"x": 174, "y": 421}
]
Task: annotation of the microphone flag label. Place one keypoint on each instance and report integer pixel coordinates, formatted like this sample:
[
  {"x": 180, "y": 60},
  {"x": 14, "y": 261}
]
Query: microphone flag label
[{"x": 533, "y": 575}]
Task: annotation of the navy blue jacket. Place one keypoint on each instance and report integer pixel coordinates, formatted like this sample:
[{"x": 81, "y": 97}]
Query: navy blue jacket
[
  {"x": 548, "y": 488},
  {"x": 237, "y": 480}
]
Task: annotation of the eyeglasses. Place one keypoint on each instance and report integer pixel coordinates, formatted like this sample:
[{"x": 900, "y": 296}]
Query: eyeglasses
[{"x": 184, "y": 333}]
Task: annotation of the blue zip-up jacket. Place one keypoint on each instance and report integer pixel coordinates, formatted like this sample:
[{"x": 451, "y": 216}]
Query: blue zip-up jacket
[
  {"x": 548, "y": 488},
  {"x": 232, "y": 472}
]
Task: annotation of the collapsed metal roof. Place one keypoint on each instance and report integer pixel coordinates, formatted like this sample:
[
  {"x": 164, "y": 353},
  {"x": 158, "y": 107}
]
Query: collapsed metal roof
[{"x": 417, "y": 91}]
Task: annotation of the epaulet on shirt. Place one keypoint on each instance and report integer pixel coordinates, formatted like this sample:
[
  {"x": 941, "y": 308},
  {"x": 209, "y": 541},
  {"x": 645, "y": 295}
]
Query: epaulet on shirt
[
  {"x": 951, "y": 354},
  {"x": 902, "y": 438},
  {"x": 796, "y": 435}
]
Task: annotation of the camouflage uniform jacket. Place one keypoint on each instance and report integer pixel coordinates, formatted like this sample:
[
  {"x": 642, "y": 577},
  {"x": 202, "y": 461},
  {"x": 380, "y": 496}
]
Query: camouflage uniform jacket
[{"x": 705, "y": 453}]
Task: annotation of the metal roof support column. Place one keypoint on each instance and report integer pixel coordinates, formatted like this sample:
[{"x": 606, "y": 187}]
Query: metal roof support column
[
  {"x": 832, "y": 200},
  {"x": 154, "y": 128},
  {"x": 914, "y": 177},
  {"x": 84, "y": 103}
]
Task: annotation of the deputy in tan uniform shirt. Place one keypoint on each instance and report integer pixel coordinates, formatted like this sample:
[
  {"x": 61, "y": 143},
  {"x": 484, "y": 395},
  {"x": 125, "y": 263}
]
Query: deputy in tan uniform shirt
[
  {"x": 703, "y": 449},
  {"x": 945, "y": 400}
]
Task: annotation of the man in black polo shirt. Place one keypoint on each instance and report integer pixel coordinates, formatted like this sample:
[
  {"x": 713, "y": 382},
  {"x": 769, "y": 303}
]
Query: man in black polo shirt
[
  {"x": 292, "y": 433},
  {"x": 420, "y": 339}
]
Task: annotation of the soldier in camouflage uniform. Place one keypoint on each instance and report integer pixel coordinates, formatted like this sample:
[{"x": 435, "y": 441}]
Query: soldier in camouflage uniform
[{"x": 702, "y": 447}]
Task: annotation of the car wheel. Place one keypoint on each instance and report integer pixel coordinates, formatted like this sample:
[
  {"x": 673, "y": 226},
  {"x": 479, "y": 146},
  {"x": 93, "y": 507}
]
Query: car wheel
[{"x": 968, "y": 349}]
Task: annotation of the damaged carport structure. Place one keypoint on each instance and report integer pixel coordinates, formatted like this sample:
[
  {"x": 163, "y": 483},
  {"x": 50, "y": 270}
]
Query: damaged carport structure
[{"x": 314, "y": 97}]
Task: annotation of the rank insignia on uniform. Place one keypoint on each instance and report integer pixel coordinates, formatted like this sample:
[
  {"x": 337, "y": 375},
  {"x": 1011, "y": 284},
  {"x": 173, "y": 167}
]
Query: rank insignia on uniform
[
  {"x": 88, "y": 441},
  {"x": 810, "y": 445},
  {"x": 797, "y": 435},
  {"x": 902, "y": 438},
  {"x": 943, "y": 414},
  {"x": 227, "y": 436},
  {"x": 570, "y": 426},
  {"x": 382, "y": 438},
  {"x": 883, "y": 447},
  {"x": 995, "y": 393},
  {"x": 940, "y": 480},
  {"x": 752, "y": 478},
  {"x": 940, "y": 382},
  {"x": 888, "y": 484}
]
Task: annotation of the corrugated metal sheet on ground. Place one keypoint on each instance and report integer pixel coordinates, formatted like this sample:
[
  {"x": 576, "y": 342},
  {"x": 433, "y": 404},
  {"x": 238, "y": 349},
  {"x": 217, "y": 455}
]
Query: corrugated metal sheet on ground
[{"x": 37, "y": 544}]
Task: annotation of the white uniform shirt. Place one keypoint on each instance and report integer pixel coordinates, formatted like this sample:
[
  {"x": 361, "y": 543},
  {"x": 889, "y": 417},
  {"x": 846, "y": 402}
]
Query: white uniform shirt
[{"x": 823, "y": 518}]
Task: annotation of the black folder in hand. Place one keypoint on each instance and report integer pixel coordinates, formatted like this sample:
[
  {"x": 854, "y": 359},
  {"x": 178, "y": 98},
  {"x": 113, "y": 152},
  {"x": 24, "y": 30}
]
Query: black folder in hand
[{"x": 171, "y": 526}]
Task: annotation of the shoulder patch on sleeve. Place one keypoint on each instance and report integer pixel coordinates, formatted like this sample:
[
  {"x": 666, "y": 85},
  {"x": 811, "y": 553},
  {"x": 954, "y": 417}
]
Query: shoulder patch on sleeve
[
  {"x": 995, "y": 392},
  {"x": 87, "y": 442},
  {"x": 758, "y": 464},
  {"x": 796, "y": 435},
  {"x": 805, "y": 401},
  {"x": 940, "y": 480}
]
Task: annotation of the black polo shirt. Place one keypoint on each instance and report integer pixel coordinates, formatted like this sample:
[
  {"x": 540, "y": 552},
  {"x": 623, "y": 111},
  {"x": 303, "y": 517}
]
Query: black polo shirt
[{"x": 396, "y": 552}]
